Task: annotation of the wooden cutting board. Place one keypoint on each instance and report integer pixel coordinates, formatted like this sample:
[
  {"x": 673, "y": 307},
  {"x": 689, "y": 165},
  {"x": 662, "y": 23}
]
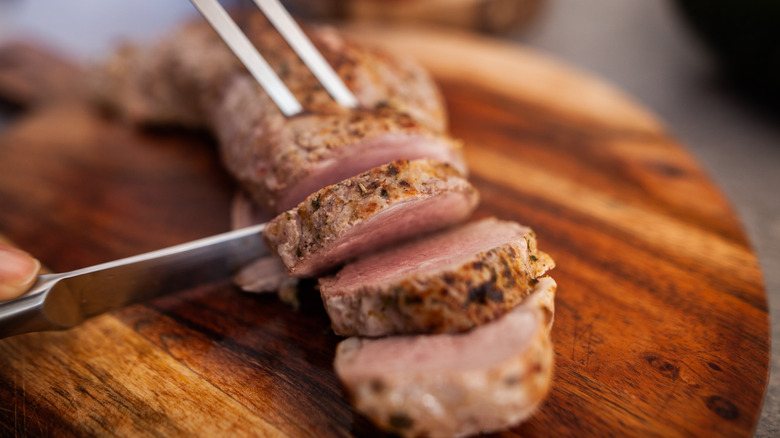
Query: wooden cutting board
[{"x": 661, "y": 325}]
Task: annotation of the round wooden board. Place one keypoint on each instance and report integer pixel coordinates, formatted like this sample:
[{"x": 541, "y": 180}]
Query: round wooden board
[{"x": 661, "y": 325}]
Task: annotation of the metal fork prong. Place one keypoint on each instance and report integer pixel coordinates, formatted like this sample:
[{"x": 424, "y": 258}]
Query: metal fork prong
[
  {"x": 300, "y": 43},
  {"x": 219, "y": 19}
]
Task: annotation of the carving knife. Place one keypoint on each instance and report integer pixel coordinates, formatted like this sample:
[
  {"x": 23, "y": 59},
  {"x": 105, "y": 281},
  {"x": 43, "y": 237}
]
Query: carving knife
[{"x": 64, "y": 300}]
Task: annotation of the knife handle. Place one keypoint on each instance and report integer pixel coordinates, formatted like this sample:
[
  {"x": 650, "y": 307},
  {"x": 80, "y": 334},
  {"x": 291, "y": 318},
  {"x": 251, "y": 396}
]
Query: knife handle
[{"x": 27, "y": 313}]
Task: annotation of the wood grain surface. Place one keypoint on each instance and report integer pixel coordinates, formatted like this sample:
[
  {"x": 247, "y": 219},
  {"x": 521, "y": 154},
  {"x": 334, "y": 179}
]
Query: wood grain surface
[{"x": 661, "y": 326}]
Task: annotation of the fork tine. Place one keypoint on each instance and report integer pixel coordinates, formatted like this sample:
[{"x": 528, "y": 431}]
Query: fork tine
[
  {"x": 227, "y": 29},
  {"x": 292, "y": 33}
]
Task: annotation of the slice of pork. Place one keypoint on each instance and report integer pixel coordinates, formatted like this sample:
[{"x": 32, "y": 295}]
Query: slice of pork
[
  {"x": 444, "y": 385},
  {"x": 266, "y": 274},
  {"x": 446, "y": 282},
  {"x": 387, "y": 204},
  {"x": 281, "y": 162}
]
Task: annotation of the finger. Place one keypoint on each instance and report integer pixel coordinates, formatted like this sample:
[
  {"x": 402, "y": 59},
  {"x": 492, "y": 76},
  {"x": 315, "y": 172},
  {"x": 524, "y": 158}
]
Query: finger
[{"x": 18, "y": 271}]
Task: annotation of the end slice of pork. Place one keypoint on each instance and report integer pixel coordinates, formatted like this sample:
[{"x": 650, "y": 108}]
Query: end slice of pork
[
  {"x": 446, "y": 282},
  {"x": 361, "y": 214},
  {"x": 484, "y": 380}
]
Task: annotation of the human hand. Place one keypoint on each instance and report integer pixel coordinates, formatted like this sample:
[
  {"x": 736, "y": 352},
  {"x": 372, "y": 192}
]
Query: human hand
[{"x": 18, "y": 271}]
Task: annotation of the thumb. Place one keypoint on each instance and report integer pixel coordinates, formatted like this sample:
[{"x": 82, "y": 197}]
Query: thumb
[{"x": 18, "y": 271}]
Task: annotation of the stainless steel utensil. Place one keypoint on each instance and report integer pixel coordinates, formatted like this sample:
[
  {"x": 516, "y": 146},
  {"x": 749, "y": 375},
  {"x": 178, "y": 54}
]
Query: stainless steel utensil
[
  {"x": 227, "y": 29},
  {"x": 60, "y": 301}
]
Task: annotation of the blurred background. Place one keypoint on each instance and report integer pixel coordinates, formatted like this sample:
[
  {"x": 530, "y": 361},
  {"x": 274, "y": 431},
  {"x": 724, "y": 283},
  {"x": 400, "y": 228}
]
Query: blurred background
[{"x": 710, "y": 69}]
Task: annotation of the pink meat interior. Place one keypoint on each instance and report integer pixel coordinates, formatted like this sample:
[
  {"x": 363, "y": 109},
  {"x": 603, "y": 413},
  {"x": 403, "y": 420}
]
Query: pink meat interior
[
  {"x": 440, "y": 251},
  {"x": 367, "y": 154},
  {"x": 477, "y": 349},
  {"x": 409, "y": 217}
]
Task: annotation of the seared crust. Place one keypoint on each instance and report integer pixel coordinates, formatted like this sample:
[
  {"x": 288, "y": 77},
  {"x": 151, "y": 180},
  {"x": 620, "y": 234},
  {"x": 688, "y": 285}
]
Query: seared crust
[
  {"x": 484, "y": 287},
  {"x": 139, "y": 81},
  {"x": 378, "y": 79},
  {"x": 452, "y": 402},
  {"x": 299, "y": 236}
]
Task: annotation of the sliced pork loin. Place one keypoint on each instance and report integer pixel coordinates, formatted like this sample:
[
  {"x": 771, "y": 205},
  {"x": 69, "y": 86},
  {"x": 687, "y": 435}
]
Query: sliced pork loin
[
  {"x": 446, "y": 282},
  {"x": 387, "y": 204},
  {"x": 444, "y": 385},
  {"x": 192, "y": 79}
]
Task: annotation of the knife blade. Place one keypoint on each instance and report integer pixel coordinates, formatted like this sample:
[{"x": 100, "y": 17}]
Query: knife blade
[{"x": 64, "y": 300}]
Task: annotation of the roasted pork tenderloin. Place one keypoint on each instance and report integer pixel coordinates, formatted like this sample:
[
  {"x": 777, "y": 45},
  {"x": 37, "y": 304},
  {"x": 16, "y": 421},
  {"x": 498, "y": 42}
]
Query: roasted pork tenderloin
[
  {"x": 359, "y": 215},
  {"x": 193, "y": 79},
  {"x": 445, "y": 282},
  {"x": 344, "y": 185},
  {"x": 451, "y": 385}
]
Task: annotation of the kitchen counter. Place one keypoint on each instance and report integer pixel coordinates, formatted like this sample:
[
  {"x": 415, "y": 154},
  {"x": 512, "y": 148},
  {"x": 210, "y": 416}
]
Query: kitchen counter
[{"x": 643, "y": 48}]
